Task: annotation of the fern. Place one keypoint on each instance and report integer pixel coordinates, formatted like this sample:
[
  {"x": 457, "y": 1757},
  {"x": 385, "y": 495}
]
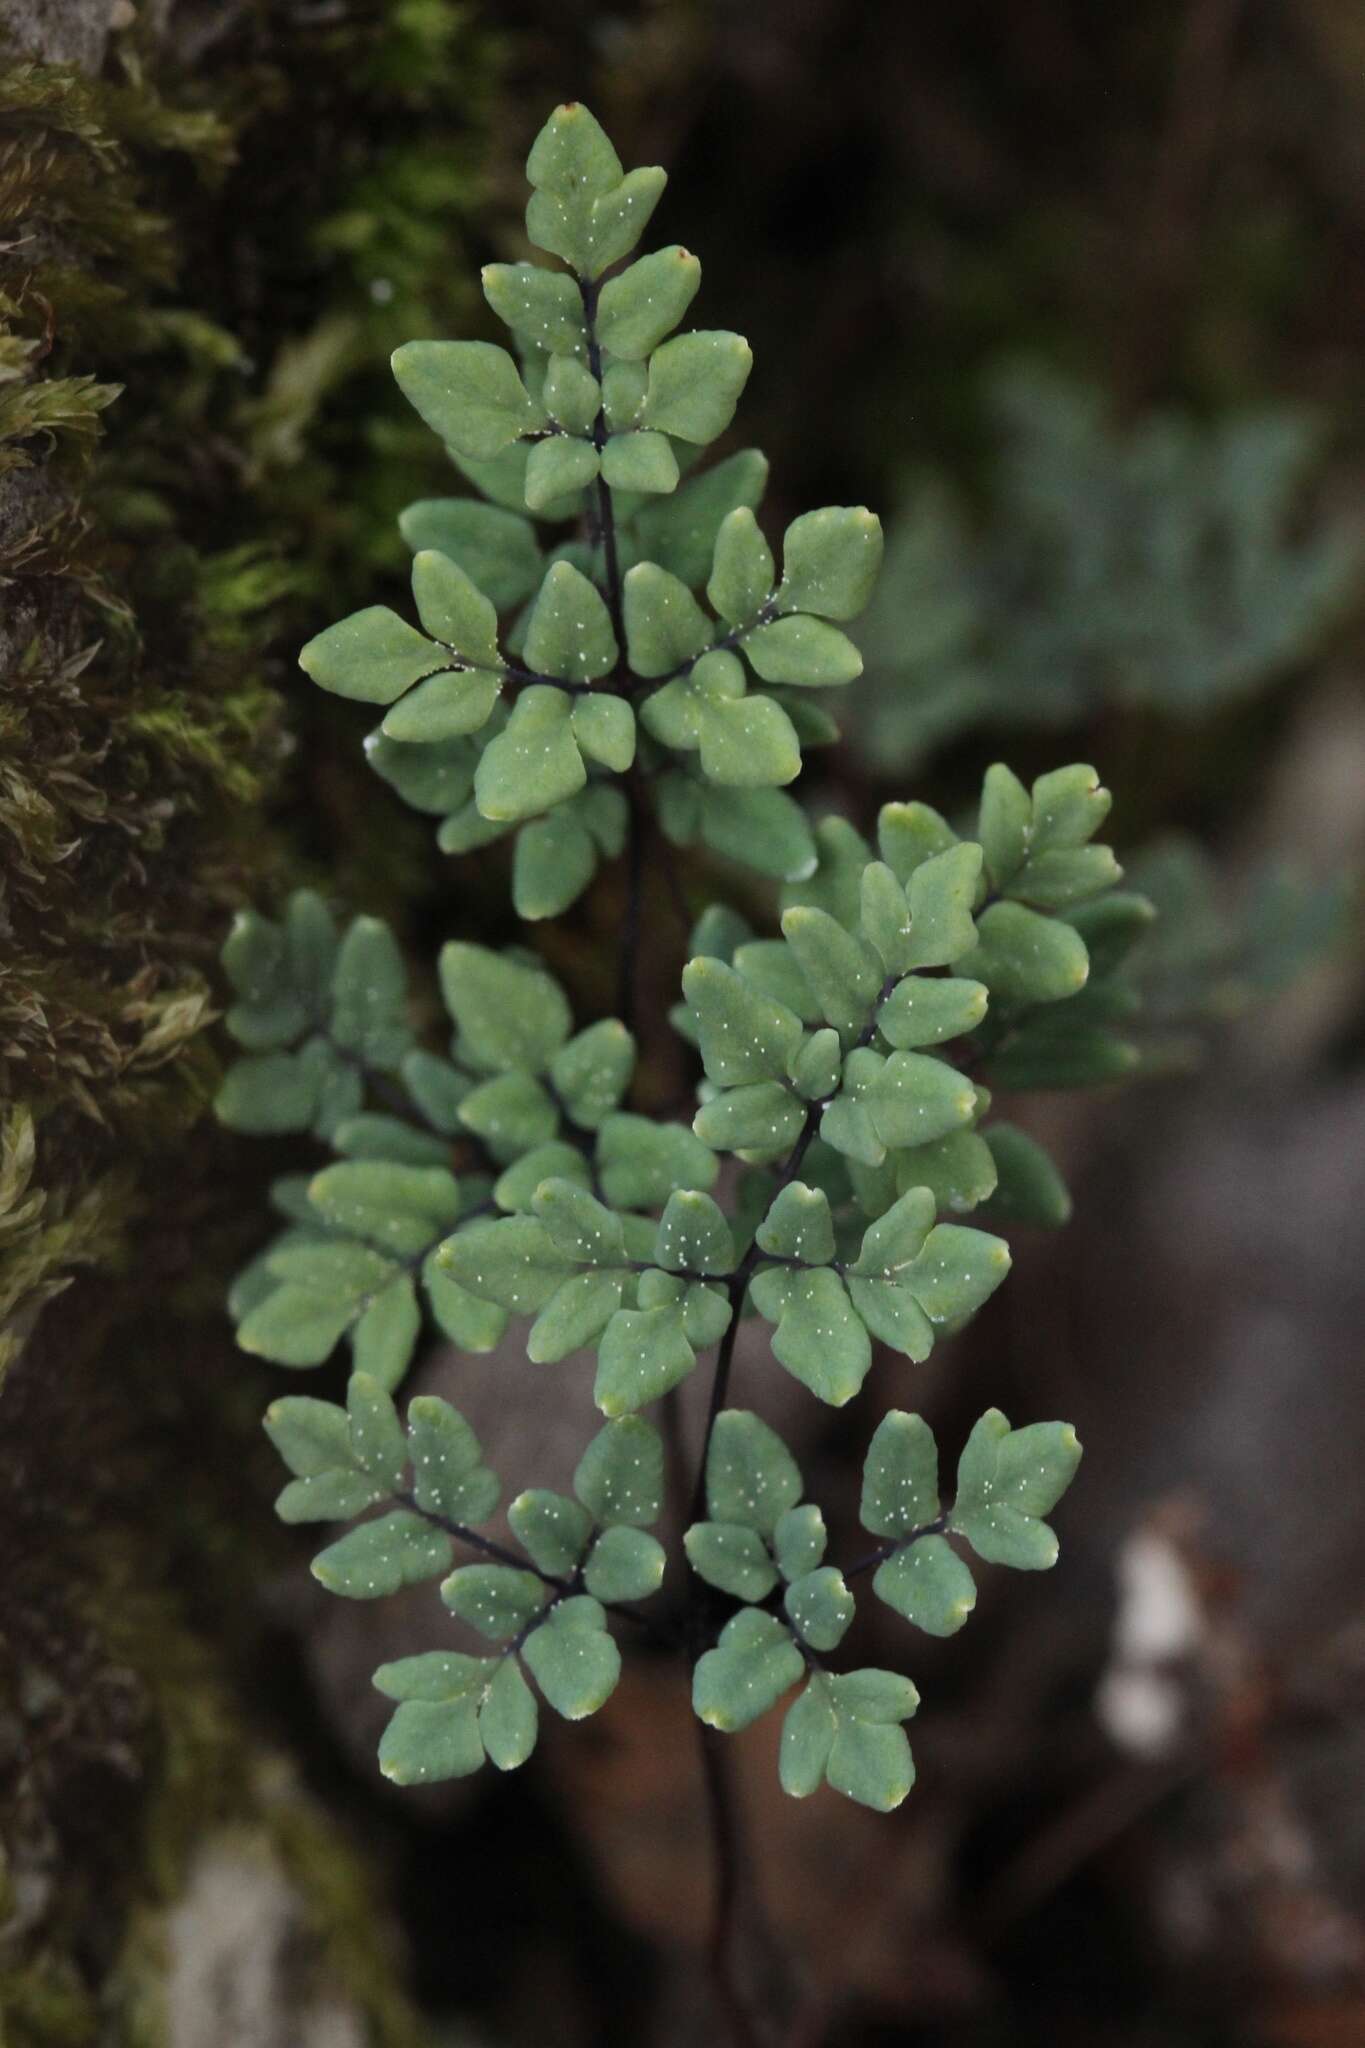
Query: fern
[
  {"x": 601, "y": 642},
  {"x": 1166, "y": 564}
]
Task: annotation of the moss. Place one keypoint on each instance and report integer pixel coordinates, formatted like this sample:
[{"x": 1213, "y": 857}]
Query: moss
[
  {"x": 199, "y": 432},
  {"x": 133, "y": 1762},
  {"x": 122, "y": 759},
  {"x": 179, "y": 399},
  {"x": 346, "y": 1912},
  {"x": 45, "y": 2006}
]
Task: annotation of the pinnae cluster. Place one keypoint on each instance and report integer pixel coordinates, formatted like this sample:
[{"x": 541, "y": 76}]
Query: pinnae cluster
[{"x": 604, "y": 655}]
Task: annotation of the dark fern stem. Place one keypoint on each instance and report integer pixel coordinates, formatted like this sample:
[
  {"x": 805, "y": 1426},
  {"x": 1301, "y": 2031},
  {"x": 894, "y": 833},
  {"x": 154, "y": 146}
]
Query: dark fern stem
[
  {"x": 605, "y": 524},
  {"x": 727, "y": 1853},
  {"x": 630, "y": 929},
  {"x": 724, "y": 1821},
  {"x": 725, "y": 1829},
  {"x": 727, "y": 1859}
]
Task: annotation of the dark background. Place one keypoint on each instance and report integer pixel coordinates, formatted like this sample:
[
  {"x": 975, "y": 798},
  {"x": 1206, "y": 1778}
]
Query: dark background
[{"x": 1034, "y": 281}]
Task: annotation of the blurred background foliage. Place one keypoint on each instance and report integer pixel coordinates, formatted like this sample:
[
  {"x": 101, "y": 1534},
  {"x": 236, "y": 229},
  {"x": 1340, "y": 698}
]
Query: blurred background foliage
[{"x": 1074, "y": 296}]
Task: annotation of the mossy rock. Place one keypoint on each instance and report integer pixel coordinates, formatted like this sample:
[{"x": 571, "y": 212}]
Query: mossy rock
[{"x": 163, "y": 517}]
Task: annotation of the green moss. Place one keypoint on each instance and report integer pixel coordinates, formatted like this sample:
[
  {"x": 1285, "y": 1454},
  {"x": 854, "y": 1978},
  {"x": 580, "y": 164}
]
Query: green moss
[
  {"x": 123, "y": 756},
  {"x": 221, "y": 1794},
  {"x": 44, "y": 2005},
  {"x": 179, "y": 411},
  {"x": 124, "y": 1628},
  {"x": 345, "y": 1909},
  {"x": 178, "y": 399}
]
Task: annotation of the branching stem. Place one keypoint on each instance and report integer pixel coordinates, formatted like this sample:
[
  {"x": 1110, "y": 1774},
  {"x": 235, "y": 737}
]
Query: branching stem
[
  {"x": 873, "y": 1558},
  {"x": 724, "y": 1826},
  {"x": 489, "y": 1547},
  {"x": 738, "y": 1286},
  {"x": 605, "y": 523}
]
